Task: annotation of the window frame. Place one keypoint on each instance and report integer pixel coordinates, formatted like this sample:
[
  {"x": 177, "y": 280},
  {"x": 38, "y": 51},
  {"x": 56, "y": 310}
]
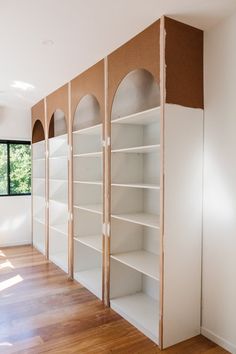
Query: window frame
[{"x": 8, "y": 143}]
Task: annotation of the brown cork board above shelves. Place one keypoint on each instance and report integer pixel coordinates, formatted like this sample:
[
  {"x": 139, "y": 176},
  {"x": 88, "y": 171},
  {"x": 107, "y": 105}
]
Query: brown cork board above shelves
[
  {"x": 184, "y": 64},
  {"x": 38, "y": 122},
  {"x": 141, "y": 52},
  {"x": 58, "y": 100},
  {"x": 90, "y": 82}
]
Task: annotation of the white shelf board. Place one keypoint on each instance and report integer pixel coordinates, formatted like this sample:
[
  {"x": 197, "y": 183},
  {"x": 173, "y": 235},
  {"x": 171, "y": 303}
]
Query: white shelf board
[
  {"x": 144, "y": 219},
  {"x": 58, "y": 180},
  {"x": 91, "y": 279},
  {"x": 61, "y": 260},
  {"x": 93, "y": 241},
  {"x": 61, "y": 228},
  {"x": 99, "y": 183},
  {"x": 93, "y": 208},
  {"x": 89, "y": 154},
  {"x": 142, "y": 261},
  {"x": 39, "y": 159},
  {"x": 138, "y": 149},
  {"x": 58, "y": 137},
  {"x": 39, "y": 220},
  {"x": 141, "y": 311},
  {"x": 38, "y": 178},
  {"x": 58, "y": 157},
  {"x": 59, "y": 201},
  {"x": 93, "y": 130},
  {"x": 136, "y": 185},
  {"x": 142, "y": 118}
]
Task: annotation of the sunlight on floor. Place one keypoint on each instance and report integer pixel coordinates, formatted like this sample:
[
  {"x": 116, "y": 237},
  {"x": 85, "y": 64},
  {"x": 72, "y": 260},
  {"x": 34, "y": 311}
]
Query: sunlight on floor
[
  {"x": 10, "y": 282},
  {"x": 6, "y": 264},
  {"x": 2, "y": 254},
  {"x": 5, "y": 344}
]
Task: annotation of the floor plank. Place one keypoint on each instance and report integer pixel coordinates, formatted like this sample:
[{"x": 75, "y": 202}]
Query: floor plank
[{"x": 44, "y": 312}]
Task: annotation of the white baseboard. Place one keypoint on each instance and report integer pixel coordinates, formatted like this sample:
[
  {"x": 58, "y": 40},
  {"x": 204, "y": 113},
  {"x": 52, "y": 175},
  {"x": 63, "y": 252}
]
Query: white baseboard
[
  {"x": 19, "y": 243},
  {"x": 218, "y": 340}
]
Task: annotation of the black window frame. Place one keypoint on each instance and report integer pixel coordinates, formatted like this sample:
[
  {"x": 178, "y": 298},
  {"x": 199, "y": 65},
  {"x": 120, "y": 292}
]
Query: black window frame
[{"x": 8, "y": 143}]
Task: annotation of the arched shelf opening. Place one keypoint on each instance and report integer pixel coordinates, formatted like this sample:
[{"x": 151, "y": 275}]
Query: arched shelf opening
[
  {"x": 135, "y": 200},
  {"x": 137, "y": 92},
  {"x": 87, "y": 194},
  {"x": 38, "y": 132},
  {"x": 57, "y": 124},
  {"x": 87, "y": 113}
]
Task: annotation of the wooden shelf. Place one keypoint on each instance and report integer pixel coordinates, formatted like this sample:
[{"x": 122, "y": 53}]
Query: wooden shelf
[
  {"x": 99, "y": 183},
  {"x": 142, "y": 261},
  {"x": 94, "y": 241},
  {"x": 93, "y": 208},
  {"x": 141, "y": 311},
  {"x": 91, "y": 279},
  {"x": 136, "y": 185},
  {"x": 61, "y": 228},
  {"x": 93, "y": 130},
  {"x": 144, "y": 219},
  {"x": 89, "y": 154},
  {"x": 138, "y": 149},
  {"x": 141, "y": 118}
]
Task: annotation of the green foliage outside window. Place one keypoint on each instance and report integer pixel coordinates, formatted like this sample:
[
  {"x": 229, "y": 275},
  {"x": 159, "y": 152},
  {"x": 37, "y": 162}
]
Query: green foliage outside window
[
  {"x": 3, "y": 169},
  {"x": 15, "y": 168}
]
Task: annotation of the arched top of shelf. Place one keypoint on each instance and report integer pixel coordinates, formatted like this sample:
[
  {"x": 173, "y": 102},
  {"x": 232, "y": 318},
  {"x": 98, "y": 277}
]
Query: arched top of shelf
[
  {"x": 58, "y": 124},
  {"x": 38, "y": 133},
  {"x": 87, "y": 113},
  {"x": 138, "y": 91}
]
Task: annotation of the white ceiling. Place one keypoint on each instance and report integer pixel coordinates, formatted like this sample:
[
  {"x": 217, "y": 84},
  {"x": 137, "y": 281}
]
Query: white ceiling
[{"x": 83, "y": 31}]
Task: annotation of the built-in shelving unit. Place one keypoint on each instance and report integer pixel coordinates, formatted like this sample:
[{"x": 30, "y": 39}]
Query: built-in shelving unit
[
  {"x": 58, "y": 193},
  {"x": 135, "y": 220},
  {"x": 88, "y": 205},
  {"x": 122, "y": 212},
  {"x": 38, "y": 189}
]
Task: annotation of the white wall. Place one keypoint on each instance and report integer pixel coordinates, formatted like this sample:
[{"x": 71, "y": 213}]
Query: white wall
[
  {"x": 15, "y": 212},
  {"x": 219, "y": 226}
]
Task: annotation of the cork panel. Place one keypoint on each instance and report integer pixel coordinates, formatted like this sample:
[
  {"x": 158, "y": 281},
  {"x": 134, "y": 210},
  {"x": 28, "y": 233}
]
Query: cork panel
[
  {"x": 90, "y": 82},
  {"x": 58, "y": 100},
  {"x": 38, "y": 122},
  {"x": 141, "y": 52},
  {"x": 184, "y": 64}
]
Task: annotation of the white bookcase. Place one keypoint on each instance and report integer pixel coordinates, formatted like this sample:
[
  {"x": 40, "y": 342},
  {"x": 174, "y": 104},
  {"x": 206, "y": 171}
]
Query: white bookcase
[
  {"x": 88, "y": 207},
  {"x": 58, "y": 196},
  {"x": 135, "y": 224},
  {"x": 39, "y": 204},
  {"x": 135, "y": 202}
]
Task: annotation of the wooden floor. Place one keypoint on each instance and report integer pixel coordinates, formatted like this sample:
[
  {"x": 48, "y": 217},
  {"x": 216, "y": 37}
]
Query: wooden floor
[{"x": 41, "y": 311}]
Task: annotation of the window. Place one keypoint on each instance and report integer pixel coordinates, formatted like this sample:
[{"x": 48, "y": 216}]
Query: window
[{"x": 15, "y": 168}]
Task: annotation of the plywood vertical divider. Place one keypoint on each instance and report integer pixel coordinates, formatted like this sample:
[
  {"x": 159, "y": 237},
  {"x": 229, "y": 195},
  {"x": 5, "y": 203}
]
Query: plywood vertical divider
[
  {"x": 107, "y": 193},
  {"x": 162, "y": 186},
  {"x": 70, "y": 188},
  {"x": 46, "y": 179}
]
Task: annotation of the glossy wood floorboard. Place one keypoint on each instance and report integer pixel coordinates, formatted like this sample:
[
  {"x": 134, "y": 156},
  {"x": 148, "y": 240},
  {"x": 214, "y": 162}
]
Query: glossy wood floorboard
[{"x": 41, "y": 311}]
